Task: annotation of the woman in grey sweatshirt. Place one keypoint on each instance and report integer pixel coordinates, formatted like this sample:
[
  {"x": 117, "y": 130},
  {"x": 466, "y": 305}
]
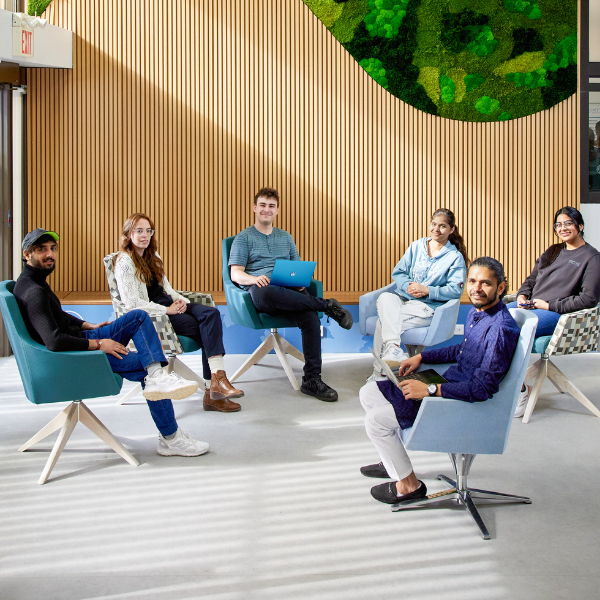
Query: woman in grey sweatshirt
[{"x": 566, "y": 277}]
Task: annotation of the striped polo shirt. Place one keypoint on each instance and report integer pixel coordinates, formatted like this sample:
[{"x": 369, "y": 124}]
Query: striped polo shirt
[{"x": 257, "y": 252}]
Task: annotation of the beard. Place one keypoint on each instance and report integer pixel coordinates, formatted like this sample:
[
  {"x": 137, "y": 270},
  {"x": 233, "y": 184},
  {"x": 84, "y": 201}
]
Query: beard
[
  {"x": 479, "y": 305},
  {"x": 42, "y": 267}
]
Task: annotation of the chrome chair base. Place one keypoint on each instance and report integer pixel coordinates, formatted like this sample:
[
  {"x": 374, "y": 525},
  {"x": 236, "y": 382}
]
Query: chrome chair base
[{"x": 461, "y": 494}]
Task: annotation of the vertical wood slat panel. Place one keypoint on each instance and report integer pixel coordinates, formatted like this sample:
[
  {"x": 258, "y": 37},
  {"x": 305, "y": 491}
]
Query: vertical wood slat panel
[{"x": 183, "y": 109}]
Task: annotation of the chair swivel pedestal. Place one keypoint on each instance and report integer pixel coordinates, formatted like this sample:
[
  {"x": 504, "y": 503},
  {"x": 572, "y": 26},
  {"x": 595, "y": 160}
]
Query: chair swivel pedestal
[
  {"x": 76, "y": 412},
  {"x": 462, "y": 494}
]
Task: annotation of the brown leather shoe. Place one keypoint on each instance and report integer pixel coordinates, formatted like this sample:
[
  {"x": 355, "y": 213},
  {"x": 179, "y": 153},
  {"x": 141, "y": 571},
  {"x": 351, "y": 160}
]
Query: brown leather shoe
[
  {"x": 221, "y": 389},
  {"x": 219, "y": 405}
]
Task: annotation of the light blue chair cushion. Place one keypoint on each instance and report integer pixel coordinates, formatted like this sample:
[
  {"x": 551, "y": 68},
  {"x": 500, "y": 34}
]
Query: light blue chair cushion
[
  {"x": 540, "y": 344},
  {"x": 440, "y": 330},
  {"x": 453, "y": 426}
]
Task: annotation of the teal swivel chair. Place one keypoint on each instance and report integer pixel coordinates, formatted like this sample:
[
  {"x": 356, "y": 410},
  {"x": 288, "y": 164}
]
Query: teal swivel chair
[
  {"x": 243, "y": 312},
  {"x": 50, "y": 377}
]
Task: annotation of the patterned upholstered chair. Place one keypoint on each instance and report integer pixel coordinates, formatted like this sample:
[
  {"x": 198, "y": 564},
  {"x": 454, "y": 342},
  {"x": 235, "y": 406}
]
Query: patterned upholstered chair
[
  {"x": 575, "y": 333},
  {"x": 172, "y": 343}
]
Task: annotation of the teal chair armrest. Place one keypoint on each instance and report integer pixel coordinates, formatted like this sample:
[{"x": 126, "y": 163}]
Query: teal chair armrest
[
  {"x": 316, "y": 289},
  {"x": 67, "y": 376}
]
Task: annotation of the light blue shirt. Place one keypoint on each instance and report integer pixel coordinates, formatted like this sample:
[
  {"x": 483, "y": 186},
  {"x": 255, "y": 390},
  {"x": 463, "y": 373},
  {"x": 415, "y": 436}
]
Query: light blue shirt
[{"x": 444, "y": 274}]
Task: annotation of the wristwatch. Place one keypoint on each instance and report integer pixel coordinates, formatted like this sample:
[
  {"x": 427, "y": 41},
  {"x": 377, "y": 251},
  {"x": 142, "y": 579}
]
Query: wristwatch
[
  {"x": 100, "y": 346},
  {"x": 432, "y": 389}
]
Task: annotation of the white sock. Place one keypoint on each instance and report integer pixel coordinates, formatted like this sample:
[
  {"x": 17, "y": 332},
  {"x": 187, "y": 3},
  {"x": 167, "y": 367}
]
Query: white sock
[
  {"x": 216, "y": 364},
  {"x": 154, "y": 369}
]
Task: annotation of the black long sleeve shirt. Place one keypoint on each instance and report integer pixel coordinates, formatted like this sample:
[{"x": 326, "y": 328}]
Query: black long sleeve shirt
[{"x": 44, "y": 317}]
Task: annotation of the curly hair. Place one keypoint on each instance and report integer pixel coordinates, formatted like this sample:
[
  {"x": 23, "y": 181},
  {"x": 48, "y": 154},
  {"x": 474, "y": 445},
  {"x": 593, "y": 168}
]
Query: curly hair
[
  {"x": 149, "y": 263},
  {"x": 267, "y": 192}
]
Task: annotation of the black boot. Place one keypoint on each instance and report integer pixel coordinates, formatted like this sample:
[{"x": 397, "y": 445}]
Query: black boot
[
  {"x": 339, "y": 314},
  {"x": 313, "y": 385}
]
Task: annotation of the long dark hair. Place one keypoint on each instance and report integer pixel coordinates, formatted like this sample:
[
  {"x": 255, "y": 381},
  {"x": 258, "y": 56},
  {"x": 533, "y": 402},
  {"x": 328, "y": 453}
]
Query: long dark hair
[
  {"x": 149, "y": 264},
  {"x": 455, "y": 237},
  {"x": 552, "y": 253}
]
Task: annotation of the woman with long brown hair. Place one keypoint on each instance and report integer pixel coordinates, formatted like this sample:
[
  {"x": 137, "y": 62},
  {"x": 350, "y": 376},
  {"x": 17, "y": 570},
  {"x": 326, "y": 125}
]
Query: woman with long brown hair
[
  {"x": 142, "y": 283},
  {"x": 431, "y": 272}
]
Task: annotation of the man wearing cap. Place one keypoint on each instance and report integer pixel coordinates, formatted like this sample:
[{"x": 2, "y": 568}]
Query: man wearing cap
[{"x": 59, "y": 331}]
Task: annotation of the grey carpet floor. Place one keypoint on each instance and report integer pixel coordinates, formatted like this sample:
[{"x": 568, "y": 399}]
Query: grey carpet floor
[{"x": 279, "y": 510}]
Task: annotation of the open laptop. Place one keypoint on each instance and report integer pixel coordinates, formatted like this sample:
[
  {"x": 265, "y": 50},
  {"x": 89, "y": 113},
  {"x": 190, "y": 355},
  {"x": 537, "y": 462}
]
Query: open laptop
[{"x": 293, "y": 273}]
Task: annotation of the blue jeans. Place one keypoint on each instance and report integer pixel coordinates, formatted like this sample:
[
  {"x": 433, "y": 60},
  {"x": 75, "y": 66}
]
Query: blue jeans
[
  {"x": 137, "y": 326},
  {"x": 547, "y": 320}
]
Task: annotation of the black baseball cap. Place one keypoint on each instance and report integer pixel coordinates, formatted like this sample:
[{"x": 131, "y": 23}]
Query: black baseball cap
[{"x": 35, "y": 235}]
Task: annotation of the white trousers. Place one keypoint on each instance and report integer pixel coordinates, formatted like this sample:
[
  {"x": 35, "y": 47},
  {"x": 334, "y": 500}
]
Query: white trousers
[
  {"x": 396, "y": 315},
  {"x": 383, "y": 430}
]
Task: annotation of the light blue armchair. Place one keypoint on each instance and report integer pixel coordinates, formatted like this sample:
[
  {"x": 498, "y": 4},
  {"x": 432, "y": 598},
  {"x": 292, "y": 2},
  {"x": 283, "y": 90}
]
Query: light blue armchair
[
  {"x": 243, "y": 312},
  {"x": 464, "y": 430},
  {"x": 50, "y": 377},
  {"x": 441, "y": 329}
]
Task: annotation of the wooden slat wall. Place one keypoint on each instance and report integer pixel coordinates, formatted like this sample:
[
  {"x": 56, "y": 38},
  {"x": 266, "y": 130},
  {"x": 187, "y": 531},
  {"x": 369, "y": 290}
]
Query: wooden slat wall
[{"x": 183, "y": 109}]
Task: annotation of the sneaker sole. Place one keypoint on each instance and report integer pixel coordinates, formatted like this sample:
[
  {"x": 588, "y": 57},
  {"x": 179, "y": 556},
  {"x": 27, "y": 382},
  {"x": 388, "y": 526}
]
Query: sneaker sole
[
  {"x": 393, "y": 364},
  {"x": 319, "y": 397},
  {"x": 178, "y": 394},
  {"x": 176, "y": 453}
]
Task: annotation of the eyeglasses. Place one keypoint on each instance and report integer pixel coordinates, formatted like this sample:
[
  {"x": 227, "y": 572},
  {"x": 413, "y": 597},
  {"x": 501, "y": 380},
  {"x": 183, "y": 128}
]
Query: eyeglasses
[
  {"x": 149, "y": 232},
  {"x": 563, "y": 225}
]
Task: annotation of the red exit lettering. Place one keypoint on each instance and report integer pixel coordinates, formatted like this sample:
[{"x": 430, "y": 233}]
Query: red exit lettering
[{"x": 26, "y": 42}]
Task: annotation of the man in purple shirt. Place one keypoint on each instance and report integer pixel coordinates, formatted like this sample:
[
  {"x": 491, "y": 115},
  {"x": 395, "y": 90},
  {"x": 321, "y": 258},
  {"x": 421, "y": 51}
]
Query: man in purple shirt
[{"x": 482, "y": 360}]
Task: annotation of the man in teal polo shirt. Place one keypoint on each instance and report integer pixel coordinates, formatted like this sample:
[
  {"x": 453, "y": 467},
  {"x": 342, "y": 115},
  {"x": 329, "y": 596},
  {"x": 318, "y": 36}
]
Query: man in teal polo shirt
[{"x": 252, "y": 258}]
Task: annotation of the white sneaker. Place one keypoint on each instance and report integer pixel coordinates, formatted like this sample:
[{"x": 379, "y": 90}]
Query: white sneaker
[
  {"x": 522, "y": 402},
  {"x": 376, "y": 376},
  {"x": 171, "y": 386},
  {"x": 393, "y": 355},
  {"x": 181, "y": 445}
]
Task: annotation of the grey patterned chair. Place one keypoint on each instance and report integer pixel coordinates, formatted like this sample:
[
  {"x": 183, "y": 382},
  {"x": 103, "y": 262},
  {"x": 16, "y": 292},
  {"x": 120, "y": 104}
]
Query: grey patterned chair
[
  {"x": 575, "y": 333},
  {"x": 172, "y": 343}
]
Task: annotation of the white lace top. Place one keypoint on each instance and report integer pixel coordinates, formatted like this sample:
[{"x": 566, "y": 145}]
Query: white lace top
[{"x": 133, "y": 290}]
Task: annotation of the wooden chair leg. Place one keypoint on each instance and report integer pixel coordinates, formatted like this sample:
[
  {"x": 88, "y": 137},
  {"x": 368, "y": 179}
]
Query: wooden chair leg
[
  {"x": 56, "y": 423},
  {"x": 291, "y": 350},
  {"x": 533, "y": 370},
  {"x": 182, "y": 369},
  {"x": 63, "y": 438},
  {"x": 137, "y": 389},
  {"x": 535, "y": 390},
  {"x": 91, "y": 421},
  {"x": 257, "y": 355},
  {"x": 284, "y": 361},
  {"x": 556, "y": 376}
]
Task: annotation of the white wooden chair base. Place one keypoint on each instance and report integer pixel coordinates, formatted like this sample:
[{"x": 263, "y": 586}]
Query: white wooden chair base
[
  {"x": 282, "y": 348},
  {"x": 66, "y": 421},
  {"x": 543, "y": 368},
  {"x": 174, "y": 365}
]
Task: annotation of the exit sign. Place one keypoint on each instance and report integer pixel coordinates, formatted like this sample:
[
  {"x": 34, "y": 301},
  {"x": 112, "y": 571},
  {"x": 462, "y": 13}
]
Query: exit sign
[{"x": 22, "y": 37}]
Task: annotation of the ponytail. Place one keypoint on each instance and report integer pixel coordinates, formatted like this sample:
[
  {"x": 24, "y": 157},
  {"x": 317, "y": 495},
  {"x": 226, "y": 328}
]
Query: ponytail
[{"x": 455, "y": 237}]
